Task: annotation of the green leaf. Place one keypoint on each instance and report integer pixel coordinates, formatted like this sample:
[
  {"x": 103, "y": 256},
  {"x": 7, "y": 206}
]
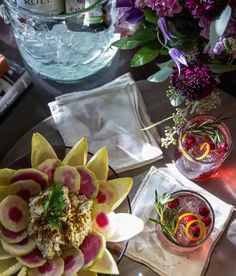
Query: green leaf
[
  {"x": 164, "y": 52},
  {"x": 150, "y": 16},
  {"x": 213, "y": 34},
  {"x": 168, "y": 63},
  {"x": 219, "y": 68},
  {"x": 126, "y": 43},
  {"x": 144, "y": 56},
  {"x": 140, "y": 37},
  {"x": 178, "y": 100},
  {"x": 161, "y": 75},
  {"x": 221, "y": 23}
]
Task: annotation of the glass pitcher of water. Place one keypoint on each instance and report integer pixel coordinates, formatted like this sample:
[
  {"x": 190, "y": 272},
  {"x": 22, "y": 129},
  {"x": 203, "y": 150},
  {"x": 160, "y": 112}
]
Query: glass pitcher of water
[{"x": 64, "y": 47}]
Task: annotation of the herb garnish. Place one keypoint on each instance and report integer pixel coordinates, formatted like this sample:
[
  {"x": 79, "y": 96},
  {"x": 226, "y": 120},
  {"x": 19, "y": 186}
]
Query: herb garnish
[
  {"x": 166, "y": 217},
  {"x": 54, "y": 206},
  {"x": 208, "y": 128}
]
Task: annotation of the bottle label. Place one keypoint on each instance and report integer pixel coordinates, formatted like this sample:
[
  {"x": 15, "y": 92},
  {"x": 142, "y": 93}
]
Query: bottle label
[
  {"x": 42, "y": 6},
  {"x": 74, "y": 5}
]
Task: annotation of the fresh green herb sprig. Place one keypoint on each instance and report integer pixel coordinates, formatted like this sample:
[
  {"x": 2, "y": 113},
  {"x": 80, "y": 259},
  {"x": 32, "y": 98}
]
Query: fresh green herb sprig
[
  {"x": 208, "y": 128},
  {"x": 54, "y": 206},
  {"x": 166, "y": 218}
]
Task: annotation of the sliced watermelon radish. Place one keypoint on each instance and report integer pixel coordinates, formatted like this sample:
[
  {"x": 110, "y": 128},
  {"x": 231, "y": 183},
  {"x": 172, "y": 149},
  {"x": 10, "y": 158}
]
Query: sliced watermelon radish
[
  {"x": 12, "y": 237},
  {"x": 69, "y": 177},
  {"x": 48, "y": 167},
  {"x": 55, "y": 267},
  {"x": 14, "y": 213},
  {"x": 128, "y": 226},
  {"x": 88, "y": 183},
  {"x": 3, "y": 254},
  {"x": 107, "y": 265},
  {"x": 25, "y": 188},
  {"x": 93, "y": 248},
  {"x": 33, "y": 174},
  {"x": 77, "y": 156},
  {"x": 107, "y": 195},
  {"x": 9, "y": 267},
  {"x": 73, "y": 261},
  {"x": 98, "y": 164},
  {"x": 119, "y": 187},
  {"x": 41, "y": 150},
  {"x": 33, "y": 259},
  {"x": 6, "y": 176},
  {"x": 104, "y": 220},
  {"x": 19, "y": 249}
]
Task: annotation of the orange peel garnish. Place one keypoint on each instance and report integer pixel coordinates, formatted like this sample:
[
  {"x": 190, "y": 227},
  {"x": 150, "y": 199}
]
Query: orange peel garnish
[
  {"x": 181, "y": 217},
  {"x": 184, "y": 137},
  {"x": 207, "y": 148},
  {"x": 202, "y": 230}
]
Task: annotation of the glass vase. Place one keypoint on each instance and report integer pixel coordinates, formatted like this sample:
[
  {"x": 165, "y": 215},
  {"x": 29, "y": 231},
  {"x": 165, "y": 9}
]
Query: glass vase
[{"x": 65, "y": 47}]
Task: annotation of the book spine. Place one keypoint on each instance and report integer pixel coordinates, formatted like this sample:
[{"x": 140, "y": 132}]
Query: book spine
[{"x": 14, "y": 92}]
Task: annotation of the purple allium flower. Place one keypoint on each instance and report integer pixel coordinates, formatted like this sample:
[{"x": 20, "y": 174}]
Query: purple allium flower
[
  {"x": 162, "y": 24},
  {"x": 210, "y": 9},
  {"x": 195, "y": 81},
  {"x": 164, "y": 7},
  {"x": 178, "y": 57}
]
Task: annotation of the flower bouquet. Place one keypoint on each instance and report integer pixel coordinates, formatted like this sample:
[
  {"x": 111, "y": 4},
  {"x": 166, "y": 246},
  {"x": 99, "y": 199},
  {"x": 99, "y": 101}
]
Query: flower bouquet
[{"x": 199, "y": 39}]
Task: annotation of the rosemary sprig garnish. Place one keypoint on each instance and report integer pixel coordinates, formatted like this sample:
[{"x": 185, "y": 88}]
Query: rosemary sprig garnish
[
  {"x": 208, "y": 128},
  {"x": 54, "y": 206},
  {"x": 166, "y": 218}
]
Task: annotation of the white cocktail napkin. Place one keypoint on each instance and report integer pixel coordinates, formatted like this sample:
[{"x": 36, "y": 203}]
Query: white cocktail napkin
[
  {"x": 111, "y": 115},
  {"x": 147, "y": 249}
]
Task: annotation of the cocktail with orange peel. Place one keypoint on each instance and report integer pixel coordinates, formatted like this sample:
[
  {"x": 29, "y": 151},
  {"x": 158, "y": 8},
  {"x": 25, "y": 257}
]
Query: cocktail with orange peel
[
  {"x": 203, "y": 145},
  {"x": 185, "y": 219}
]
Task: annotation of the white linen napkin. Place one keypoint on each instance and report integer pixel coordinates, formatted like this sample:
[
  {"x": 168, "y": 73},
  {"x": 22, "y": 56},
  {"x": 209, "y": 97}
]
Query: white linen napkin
[
  {"x": 110, "y": 115},
  {"x": 146, "y": 247}
]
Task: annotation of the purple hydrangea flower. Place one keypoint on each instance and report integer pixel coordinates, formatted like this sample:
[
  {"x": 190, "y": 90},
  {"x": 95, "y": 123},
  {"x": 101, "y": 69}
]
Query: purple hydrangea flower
[
  {"x": 178, "y": 57},
  {"x": 210, "y": 9},
  {"x": 162, "y": 24},
  {"x": 164, "y": 7},
  {"x": 195, "y": 81}
]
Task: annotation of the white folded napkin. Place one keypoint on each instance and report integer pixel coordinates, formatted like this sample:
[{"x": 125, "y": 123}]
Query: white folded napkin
[
  {"x": 110, "y": 115},
  {"x": 146, "y": 247}
]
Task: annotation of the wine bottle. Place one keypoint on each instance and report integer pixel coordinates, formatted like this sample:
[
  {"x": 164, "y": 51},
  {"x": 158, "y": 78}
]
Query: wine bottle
[
  {"x": 94, "y": 20},
  {"x": 72, "y": 6},
  {"x": 42, "y": 6}
]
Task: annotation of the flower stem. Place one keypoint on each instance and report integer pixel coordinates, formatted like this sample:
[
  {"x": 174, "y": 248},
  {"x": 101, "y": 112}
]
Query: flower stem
[{"x": 157, "y": 123}]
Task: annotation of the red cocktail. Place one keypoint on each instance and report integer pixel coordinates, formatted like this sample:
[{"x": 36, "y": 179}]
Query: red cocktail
[
  {"x": 203, "y": 145},
  {"x": 188, "y": 221}
]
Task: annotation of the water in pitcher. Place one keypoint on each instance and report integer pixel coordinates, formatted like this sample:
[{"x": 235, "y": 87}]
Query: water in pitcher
[{"x": 66, "y": 48}]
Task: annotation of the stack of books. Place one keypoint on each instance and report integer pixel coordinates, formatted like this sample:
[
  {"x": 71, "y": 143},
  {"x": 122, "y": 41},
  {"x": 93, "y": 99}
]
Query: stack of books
[{"x": 13, "y": 82}]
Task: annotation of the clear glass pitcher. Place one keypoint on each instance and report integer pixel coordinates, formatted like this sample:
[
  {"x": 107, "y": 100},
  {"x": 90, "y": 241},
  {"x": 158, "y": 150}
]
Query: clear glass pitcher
[{"x": 66, "y": 47}]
